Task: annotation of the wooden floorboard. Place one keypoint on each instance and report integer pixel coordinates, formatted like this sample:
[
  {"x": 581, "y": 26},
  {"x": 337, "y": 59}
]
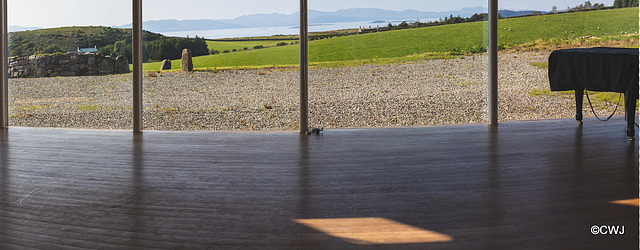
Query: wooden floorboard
[{"x": 536, "y": 184}]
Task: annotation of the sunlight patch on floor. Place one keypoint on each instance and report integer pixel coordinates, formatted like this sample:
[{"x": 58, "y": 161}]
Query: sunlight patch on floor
[
  {"x": 629, "y": 202},
  {"x": 373, "y": 231}
]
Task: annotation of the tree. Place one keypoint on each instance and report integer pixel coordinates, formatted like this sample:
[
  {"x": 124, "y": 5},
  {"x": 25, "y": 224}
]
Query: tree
[
  {"x": 16, "y": 51},
  {"x": 588, "y": 5},
  {"x": 625, "y": 3},
  {"x": 554, "y": 9},
  {"x": 122, "y": 48},
  {"x": 51, "y": 49},
  {"x": 107, "y": 51}
]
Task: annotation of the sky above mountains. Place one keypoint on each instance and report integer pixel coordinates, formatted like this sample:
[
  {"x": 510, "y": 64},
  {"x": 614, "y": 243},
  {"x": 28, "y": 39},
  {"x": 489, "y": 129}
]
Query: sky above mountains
[{"x": 58, "y": 13}]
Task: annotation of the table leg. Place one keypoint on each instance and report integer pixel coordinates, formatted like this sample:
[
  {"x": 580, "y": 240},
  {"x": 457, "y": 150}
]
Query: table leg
[
  {"x": 630, "y": 108},
  {"x": 579, "y": 99}
]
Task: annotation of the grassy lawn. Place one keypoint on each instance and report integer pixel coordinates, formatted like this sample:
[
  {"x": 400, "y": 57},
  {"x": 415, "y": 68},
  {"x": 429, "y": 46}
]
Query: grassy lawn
[
  {"x": 373, "y": 46},
  {"x": 565, "y": 27},
  {"x": 598, "y": 98},
  {"x": 430, "y": 42},
  {"x": 241, "y": 45}
]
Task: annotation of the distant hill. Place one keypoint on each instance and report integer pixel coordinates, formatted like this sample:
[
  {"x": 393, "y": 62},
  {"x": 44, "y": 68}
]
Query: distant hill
[
  {"x": 175, "y": 25},
  {"x": 269, "y": 20},
  {"x": 315, "y": 17},
  {"x": 13, "y": 28},
  {"x": 108, "y": 41},
  {"x": 49, "y": 41}
]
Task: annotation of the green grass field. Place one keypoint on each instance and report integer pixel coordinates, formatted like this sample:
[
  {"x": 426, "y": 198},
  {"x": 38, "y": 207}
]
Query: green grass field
[
  {"x": 601, "y": 23},
  {"x": 241, "y": 45},
  {"x": 439, "y": 41}
]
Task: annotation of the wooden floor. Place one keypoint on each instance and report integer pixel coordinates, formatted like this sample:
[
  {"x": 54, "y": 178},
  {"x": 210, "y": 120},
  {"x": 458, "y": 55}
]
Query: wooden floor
[{"x": 539, "y": 184}]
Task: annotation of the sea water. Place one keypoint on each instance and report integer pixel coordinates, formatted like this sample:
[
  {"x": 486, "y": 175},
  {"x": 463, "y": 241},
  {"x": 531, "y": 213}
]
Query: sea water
[{"x": 282, "y": 30}]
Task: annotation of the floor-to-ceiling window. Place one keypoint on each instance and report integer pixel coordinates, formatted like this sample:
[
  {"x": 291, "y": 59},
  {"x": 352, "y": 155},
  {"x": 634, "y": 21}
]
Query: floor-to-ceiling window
[
  {"x": 65, "y": 69},
  {"x": 530, "y": 31},
  {"x": 374, "y": 64},
  {"x": 397, "y": 63},
  {"x": 244, "y": 75}
]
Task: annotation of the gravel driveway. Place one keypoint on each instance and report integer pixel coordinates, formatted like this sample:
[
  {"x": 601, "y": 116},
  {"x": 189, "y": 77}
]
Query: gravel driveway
[{"x": 433, "y": 92}]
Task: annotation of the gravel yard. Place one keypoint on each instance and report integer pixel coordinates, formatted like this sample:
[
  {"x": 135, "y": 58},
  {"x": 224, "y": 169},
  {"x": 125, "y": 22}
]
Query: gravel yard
[{"x": 433, "y": 92}]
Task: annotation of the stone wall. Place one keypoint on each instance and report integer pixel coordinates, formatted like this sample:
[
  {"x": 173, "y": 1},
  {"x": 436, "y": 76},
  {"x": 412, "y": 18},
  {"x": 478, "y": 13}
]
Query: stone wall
[{"x": 66, "y": 65}]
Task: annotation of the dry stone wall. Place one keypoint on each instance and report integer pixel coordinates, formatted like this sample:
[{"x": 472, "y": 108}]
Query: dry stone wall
[{"x": 66, "y": 65}]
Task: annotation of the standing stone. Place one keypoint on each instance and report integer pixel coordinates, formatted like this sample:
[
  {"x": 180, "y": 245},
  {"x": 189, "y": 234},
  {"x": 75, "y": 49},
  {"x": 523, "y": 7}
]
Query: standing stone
[
  {"x": 186, "y": 64},
  {"x": 166, "y": 64}
]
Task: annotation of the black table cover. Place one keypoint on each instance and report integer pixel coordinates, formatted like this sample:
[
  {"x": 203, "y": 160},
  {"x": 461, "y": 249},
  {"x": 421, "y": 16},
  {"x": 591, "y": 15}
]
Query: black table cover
[{"x": 595, "y": 69}]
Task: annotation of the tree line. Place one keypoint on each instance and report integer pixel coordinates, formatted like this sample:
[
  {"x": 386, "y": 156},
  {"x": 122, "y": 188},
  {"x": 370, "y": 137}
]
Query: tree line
[
  {"x": 443, "y": 21},
  {"x": 159, "y": 49},
  {"x": 171, "y": 48},
  {"x": 625, "y": 3}
]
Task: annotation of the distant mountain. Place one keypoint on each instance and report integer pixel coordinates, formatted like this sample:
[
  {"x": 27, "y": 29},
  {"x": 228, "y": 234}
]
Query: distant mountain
[
  {"x": 315, "y": 17},
  {"x": 13, "y": 28},
  {"x": 175, "y": 25},
  {"x": 266, "y": 20}
]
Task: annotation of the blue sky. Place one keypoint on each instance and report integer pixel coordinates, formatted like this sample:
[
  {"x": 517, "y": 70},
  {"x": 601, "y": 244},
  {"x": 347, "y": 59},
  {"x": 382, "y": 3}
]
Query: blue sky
[{"x": 56, "y": 13}]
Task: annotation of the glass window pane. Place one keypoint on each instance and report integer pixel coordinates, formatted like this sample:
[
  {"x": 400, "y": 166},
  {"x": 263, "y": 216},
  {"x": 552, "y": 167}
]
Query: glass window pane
[
  {"x": 244, "y": 73},
  {"x": 530, "y": 35},
  {"x": 64, "y": 71},
  {"x": 397, "y": 63}
]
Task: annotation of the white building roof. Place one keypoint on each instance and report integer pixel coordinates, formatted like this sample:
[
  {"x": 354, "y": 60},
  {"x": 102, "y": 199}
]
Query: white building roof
[{"x": 88, "y": 50}]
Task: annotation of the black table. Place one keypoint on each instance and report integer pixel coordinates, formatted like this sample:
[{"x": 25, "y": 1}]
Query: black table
[{"x": 597, "y": 69}]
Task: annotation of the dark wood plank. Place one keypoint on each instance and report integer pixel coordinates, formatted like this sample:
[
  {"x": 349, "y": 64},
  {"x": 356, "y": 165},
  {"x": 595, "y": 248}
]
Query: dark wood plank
[{"x": 536, "y": 184}]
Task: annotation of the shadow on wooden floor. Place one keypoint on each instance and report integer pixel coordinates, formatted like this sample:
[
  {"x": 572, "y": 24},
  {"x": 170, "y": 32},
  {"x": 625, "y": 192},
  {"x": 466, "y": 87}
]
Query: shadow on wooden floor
[{"x": 536, "y": 184}]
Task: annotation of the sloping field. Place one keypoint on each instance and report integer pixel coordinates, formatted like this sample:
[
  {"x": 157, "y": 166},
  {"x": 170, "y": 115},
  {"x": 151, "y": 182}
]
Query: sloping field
[{"x": 412, "y": 44}]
